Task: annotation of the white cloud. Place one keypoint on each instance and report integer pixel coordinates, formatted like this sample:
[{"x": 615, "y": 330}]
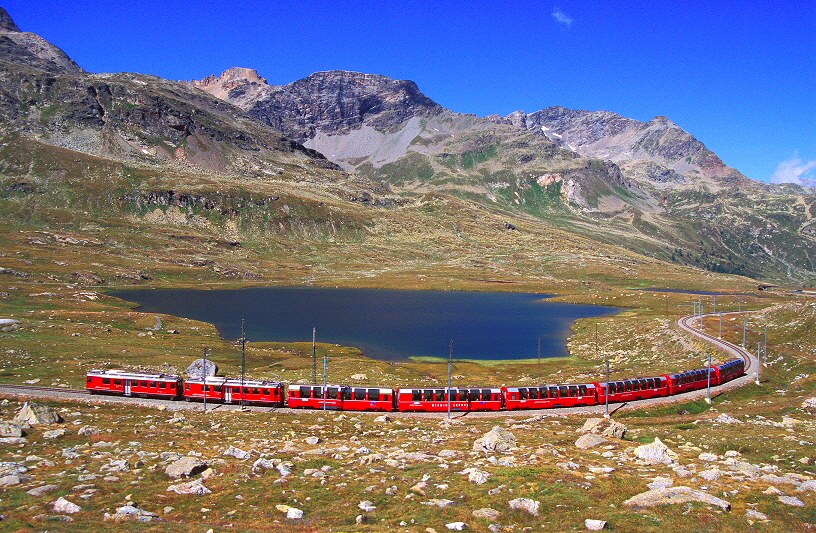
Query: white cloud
[
  {"x": 561, "y": 17},
  {"x": 795, "y": 171}
]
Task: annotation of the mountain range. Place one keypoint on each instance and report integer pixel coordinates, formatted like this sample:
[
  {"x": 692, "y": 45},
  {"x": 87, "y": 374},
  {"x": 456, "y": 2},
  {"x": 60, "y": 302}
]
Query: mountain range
[{"x": 215, "y": 156}]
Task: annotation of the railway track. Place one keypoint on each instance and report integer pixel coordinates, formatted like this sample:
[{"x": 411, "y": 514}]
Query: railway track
[{"x": 685, "y": 323}]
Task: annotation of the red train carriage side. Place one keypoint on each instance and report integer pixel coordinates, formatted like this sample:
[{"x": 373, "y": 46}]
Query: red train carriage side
[
  {"x": 629, "y": 390},
  {"x": 165, "y": 386},
  {"x": 315, "y": 397},
  {"x": 367, "y": 398},
  {"x": 550, "y": 396},
  {"x": 727, "y": 371},
  {"x": 689, "y": 380},
  {"x": 227, "y": 390},
  {"x": 470, "y": 399}
]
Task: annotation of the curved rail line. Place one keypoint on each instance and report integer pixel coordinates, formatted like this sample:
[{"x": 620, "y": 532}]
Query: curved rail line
[{"x": 751, "y": 366}]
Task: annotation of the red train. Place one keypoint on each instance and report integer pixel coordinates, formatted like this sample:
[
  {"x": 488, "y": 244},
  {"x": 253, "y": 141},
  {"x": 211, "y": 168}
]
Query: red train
[{"x": 349, "y": 398}]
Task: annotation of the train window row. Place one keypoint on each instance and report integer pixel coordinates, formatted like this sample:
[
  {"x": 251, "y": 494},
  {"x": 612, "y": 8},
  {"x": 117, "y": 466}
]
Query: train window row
[
  {"x": 456, "y": 395},
  {"x": 634, "y": 385},
  {"x": 690, "y": 377},
  {"x": 146, "y": 384},
  {"x": 344, "y": 393}
]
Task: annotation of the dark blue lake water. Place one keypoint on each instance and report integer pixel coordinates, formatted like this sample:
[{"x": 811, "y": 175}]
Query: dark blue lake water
[{"x": 385, "y": 324}]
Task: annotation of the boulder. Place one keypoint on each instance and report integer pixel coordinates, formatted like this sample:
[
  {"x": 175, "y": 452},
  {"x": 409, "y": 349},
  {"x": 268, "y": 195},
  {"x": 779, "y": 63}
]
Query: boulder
[
  {"x": 478, "y": 476},
  {"x": 198, "y": 366},
  {"x": 64, "y": 506},
  {"x": 10, "y": 429},
  {"x": 238, "y": 453},
  {"x": 190, "y": 487},
  {"x": 594, "y": 525},
  {"x": 525, "y": 504},
  {"x": 185, "y": 467},
  {"x": 497, "y": 439},
  {"x": 292, "y": 513},
  {"x": 655, "y": 453},
  {"x": 44, "y": 489},
  {"x": 456, "y": 526},
  {"x": 34, "y": 413},
  {"x": 54, "y": 434},
  {"x": 131, "y": 512},
  {"x": 674, "y": 495},
  {"x": 605, "y": 427},
  {"x": 88, "y": 431},
  {"x": 487, "y": 513},
  {"x": 589, "y": 440}
]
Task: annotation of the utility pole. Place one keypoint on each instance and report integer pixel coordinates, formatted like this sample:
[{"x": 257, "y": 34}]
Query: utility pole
[
  {"x": 744, "y": 324},
  {"x": 715, "y": 304},
  {"x": 708, "y": 388},
  {"x": 450, "y": 362},
  {"x": 325, "y": 376},
  {"x": 606, "y": 396},
  {"x": 701, "y": 314},
  {"x": 759, "y": 360},
  {"x": 243, "y": 362},
  {"x": 314, "y": 357},
  {"x": 720, "y": 325},
  {"x": 765, "y": 343},
  {"x": 204, "y": 376}
]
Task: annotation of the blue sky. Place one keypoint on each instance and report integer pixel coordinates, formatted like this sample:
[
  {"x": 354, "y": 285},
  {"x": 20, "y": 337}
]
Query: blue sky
[{"x": 741, "y": 77}]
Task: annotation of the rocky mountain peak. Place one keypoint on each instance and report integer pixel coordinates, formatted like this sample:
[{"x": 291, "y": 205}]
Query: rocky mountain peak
[
  {"x": 230, "y": 79},
  {"x": 6, "y": 24},
  {"x": 31, "y": 50}
]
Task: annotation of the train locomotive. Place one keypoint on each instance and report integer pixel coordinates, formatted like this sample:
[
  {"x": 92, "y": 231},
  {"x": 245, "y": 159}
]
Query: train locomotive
[{"x": 424, "y": 399}]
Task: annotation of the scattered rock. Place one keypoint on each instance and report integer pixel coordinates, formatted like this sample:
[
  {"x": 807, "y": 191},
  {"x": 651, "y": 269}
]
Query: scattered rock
[
  {"x": 88, "y": 431},
  {"x": 673, "y": 495},
  {"x": 497, "y": 439},
  {"x": 589, "y": 440},
  {"x": 605, "y": 427},
  {"x": 525, "y": 504},
  {"x": 487, "y": 513},
  {"x": 33, "y": 413},
  {"x": 755, "y": 515},
  {"x": 185, "y": 467},
  {"x": 478, "y": 476},
  {"x": 807, "y": 486},
  {"x": 199, "y": 366},
  {"x": 131, "y": 512},
  {"x": 726, "y": 419},
  {"x": 366, "y": 506},
  {"x": 54, "y": 434},
  {"x": 39, "y": 491},
  {"x": 10, "y": 429},
  {"x": 791, "y": 500},
  {"x": 359, "y": 377},
  {"x": 191, "y": 487},
  {"x": 661, "y": 483},
  {"x": 238, "y": 453},
  {"x": 382, "y": 419},
  {"x": 292, "y": 513},
  {"x": 594, "y": 525},
  {"x": 655, "y": 453},
  {"x": 312, "y": 440},
  {"x": 64, "y": 506}
]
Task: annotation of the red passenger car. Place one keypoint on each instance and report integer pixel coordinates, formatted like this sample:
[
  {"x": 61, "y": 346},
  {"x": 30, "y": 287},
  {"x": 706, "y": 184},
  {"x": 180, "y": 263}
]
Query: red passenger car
[
  {"x": 629, "y": 390},
  {"x": 725, "y": 372},
  {"x": 120, "y": 382},
  {"x": 547, "y": 396},
  {"x": 315, "y": 397},
  {"x": 226, "y": 390},
  {"x": 689, "y": 380},
  {"x": 460, "y": 399}
]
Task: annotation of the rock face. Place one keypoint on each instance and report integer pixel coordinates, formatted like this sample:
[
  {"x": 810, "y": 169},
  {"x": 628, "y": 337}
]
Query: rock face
[
  {"x": 199, "y": 366},
  {"x": 33, "y": 413},
  {"x": 673, "y": 495},
  {"x": 32, "y": 50},
  {"x": 497, "y": 439}
]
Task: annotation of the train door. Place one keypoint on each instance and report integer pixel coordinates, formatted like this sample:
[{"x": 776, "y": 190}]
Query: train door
[
  {"x": 227, "y": 394},
  {"x": 127, "y": 387}
]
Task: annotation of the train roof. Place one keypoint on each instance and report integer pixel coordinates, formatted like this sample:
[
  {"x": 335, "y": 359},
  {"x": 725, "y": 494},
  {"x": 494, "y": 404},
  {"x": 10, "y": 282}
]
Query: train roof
[
  {"x": 339, "y": 386},
  {"x": 114, "y": 373},
  {"x": 234, "y": 382},
  {"x": 459, "y": 387}
]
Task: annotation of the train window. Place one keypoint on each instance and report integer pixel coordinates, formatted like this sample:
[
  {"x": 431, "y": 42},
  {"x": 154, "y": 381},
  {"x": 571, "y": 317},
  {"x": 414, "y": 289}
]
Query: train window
[
  {"x": 87, "y": 379},
  {"x": 522, "y": 394},
  {"x": 486, "y": 394},
  {"x": 427, "y": 395},
  {"x": 416, "y": 396},
  {"x": 582, "y": 390},
  {"x": 347, "y": 393},
  {"x": 265, "y": 392},
  {"x": 564, "y": 391},
  {"x": 374, "y": 395},
  {"x": 106, "y": 381},
  {"x": 162, "y": 385},
  {"x": 573, "y": 390},
  {"x": 553, "y": 392},
  {"x": 216, "y": 388},
  {"x": 474, "y": 395},
  {"x": 331, "y": 393},
  {"x": 143, "y": 384},
  {"x": 439, "y": 395},
  {"x": 153, "y": 384},
  {"x": 117, "y": 381},
  {"x": 317, "y": 392},
  {"x": 463, "y": 395},
  {"x": 256, "y": 391},
  {"x": 305, "y": 392},
  {"x": 187, "y": 386}
]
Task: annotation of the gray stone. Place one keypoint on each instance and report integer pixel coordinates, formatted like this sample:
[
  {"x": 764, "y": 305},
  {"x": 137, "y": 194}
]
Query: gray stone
[
  {"x": 525, "y": 504},
  {"x": 263, "y": 464},
  {"x": 312, "y": 440},
  {"x": 185, "y": 467},
  {"x": 674, "y": 495},
  {"x": 436, "y": 502},
  {"x": 201, "y": 367},
  {"x": 238, "y": 453},
  {"x": 487, "y": 513},
  {"x": 497, "y": 439},
  {"x": 807, "y": 486},
  {"x": 13, "y": 440},
  {"x": 366, "y": 506},
  {"x": 64, "y": 506},
  {"x": 190, "y": 487},
  {"x": 791, "y": 500},
  {"x": 661, "y": 483},
  {"x": 589, "y": 440},
  {"x": 594, "y": 525},
  {"x": 10, "y": 429},
  {"x": 88, "y": 431},
  {"x": 456, "y": 526},
  {"x": 54, "y": 434},
  {"x": 605, "y": 427},
  {"x": 655, "y": 453},
  {"x": 134, "y": 513},
  {"x": 39, "y": 491},
  {"x": 477, "y": 476},
  {"x": 33, "y": 413}
]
